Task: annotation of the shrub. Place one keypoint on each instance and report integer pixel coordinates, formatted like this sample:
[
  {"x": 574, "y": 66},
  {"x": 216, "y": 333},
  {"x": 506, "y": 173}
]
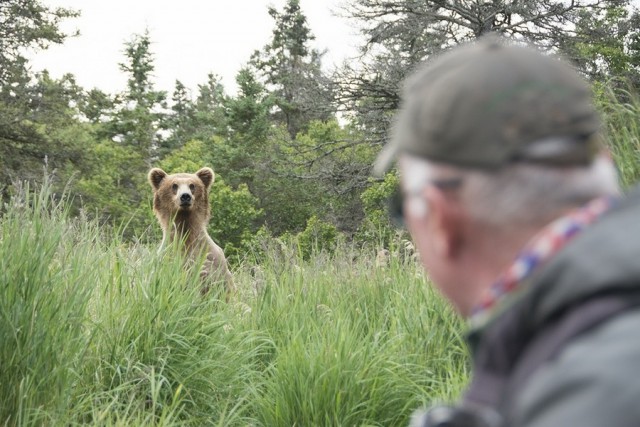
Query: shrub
[
  {"x": 318, "y": 236},
  {"x": 376, "y": 228}
]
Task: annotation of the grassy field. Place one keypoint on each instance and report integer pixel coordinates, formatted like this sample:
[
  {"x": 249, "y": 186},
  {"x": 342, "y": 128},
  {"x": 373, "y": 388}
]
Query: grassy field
[
  {"x": 99, "y": 331},
  {"x": 96, "y": 331}
]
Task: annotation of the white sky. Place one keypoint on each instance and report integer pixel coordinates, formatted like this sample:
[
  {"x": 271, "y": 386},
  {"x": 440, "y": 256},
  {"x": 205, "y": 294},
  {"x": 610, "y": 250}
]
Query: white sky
[{"x": 190, "y": 38}]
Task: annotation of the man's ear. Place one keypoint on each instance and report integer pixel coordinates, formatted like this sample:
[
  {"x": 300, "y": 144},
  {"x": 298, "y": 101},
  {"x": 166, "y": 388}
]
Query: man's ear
[
  {"x": 445, "y": 214},
  {"x": 156, "y": 175},
  {"x": 207, "y": 176}
]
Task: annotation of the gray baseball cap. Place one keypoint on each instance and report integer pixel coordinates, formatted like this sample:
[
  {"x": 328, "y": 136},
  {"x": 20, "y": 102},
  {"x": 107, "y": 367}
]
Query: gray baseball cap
[{"x": 487, "y": 104}]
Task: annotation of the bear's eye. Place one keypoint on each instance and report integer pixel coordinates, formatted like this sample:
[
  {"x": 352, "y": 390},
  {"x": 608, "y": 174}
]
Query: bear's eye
[
  {"x": 192, "y": 187},
  {"x": 174, "y": 187}
]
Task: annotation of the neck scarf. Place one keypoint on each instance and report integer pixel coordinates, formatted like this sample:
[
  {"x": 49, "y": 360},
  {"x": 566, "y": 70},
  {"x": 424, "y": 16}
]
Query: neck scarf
[{"x": 539, "y": 249}]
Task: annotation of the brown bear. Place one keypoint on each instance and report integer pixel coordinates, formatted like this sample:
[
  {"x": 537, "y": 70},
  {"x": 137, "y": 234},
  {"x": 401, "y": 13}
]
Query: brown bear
[{"x": 181, "y": 204}]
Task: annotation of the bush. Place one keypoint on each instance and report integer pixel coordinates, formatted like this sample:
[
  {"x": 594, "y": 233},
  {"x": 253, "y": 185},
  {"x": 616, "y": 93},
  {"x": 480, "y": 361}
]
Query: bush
[
  {"x": 233, "y": 217},
  {"x": 318, "y": 236},
  {"x": 376, "y": 228}
]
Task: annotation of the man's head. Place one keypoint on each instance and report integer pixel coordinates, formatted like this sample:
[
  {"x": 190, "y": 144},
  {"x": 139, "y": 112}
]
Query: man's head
[
  {"x": 493, "y": 142},
  {"x": 487, "y": 104}
]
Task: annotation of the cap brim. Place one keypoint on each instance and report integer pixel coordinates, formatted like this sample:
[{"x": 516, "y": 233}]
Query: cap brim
[{"x": 385, "y": 160}]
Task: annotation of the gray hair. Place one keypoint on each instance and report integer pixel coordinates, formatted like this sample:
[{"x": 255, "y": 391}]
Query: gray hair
[{"x": 521, "y": 194}]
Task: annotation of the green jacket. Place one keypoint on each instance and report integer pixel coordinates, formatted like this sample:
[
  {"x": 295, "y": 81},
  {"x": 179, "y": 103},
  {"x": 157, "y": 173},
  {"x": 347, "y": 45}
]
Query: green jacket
[{"x": 593, "y": 378}]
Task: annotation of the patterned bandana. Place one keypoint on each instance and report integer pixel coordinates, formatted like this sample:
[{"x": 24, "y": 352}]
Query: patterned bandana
[{"x": 540, "y": 248}]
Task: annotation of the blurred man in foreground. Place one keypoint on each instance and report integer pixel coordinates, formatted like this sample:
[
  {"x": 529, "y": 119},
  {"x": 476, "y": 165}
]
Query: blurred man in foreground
[{"x": 515, "y": 208}]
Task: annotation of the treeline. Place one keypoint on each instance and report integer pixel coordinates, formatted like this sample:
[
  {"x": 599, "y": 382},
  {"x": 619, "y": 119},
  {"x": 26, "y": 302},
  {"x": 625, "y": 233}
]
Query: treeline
[{"x": 292, "y": 149}]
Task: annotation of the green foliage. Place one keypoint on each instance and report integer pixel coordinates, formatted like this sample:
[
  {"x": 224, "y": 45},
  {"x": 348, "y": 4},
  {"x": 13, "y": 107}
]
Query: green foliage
[
  {"x": 376, "y": 196},
  {"x": 27, "y": 24},
  {"x": 246, "y": 151},
  {"x": 181, "y": 122},
  {"x": 317, "y": 237},
  {"x": 188, "y": 159},
  {"x": 204, "y": 118},
  {"x": 160, "y": 352},
  {"x": 43, "y": 307},
  {"x": 292, "y": 71},
  {"x": 322, "y": 170},
  {"x": 101, "y": 332},
  {"x": 377, "y": 227},
  {"x": 282, "y": 158},
  {"x": 608, "y": 44},
  {"x": 621, "y": 110},
  {"x": 233, "y": 218},
  {"x": 116, "y": 189},
  {"x": 49, "y": 134},
  {"x": 95, "y": 105},
  {"x": 347, "y": 346},
  {"x": 287, "y": 201},
  {"x": 139, "y": 116},
  {"x": 249, "y": 110}
]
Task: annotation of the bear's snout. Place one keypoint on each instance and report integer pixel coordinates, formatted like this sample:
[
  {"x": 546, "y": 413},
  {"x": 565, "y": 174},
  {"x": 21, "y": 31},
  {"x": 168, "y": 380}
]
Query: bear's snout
[{"x": 185, "y": 199}]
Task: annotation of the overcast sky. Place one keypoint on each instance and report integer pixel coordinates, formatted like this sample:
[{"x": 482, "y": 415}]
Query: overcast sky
[{"x": 191, "y": 38}]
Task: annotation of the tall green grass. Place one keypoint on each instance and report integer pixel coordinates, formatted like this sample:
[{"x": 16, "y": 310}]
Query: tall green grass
[
  {"x": 98, "y": 331},
  {"x": 43, "y": 303},
  {"x": 354, "y": 344},
  {"x": 621, "y": 110}
]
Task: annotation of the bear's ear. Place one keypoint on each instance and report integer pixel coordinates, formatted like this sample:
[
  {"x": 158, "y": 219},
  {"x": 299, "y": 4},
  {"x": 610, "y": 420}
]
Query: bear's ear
[
  {"x": 156, "y": 176},
  {"x": 207, "y": 176}
]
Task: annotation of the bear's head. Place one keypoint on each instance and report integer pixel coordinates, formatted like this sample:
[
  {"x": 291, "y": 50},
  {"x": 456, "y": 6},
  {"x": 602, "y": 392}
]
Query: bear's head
[{"x": 180, "y": 193}]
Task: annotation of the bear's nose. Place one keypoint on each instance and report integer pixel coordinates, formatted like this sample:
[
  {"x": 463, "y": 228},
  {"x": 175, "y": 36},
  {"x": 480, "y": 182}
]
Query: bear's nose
[{"x": 185, "y": 198}]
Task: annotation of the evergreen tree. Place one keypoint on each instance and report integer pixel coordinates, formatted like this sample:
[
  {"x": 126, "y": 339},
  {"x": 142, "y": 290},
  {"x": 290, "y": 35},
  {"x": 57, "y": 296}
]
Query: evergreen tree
[
  {"x": 292, "y": 71},
  {"x": 210, "y": 110},
  {"x": 38, "y": 125},
  {"x": 241, "y": 153},
  {"x": 249, "y": 110},
  {"x": 24, "y": 145},
  {"x": 202, "y": 119},
  {"x": 180, "y": 121},
  {"x": 140, "y": 109},
  {"x": 27, "y": 24},
  {"x": 97, "y": 106}
]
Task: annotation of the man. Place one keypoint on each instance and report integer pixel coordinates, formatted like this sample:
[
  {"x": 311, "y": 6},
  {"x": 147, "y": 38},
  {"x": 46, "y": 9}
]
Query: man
[{"x": 515, "y": 209}]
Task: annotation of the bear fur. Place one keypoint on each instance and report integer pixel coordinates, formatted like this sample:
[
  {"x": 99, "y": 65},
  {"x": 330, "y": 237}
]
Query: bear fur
[{"x": 181, "y": 204}]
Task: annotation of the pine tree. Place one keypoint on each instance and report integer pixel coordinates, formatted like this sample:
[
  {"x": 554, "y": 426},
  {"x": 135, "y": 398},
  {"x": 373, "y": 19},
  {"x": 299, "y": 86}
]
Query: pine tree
[
  {"x": 27, "y": 25},
  {"x": 292, "y": 71},
  {"x": 140, "y": 109}
]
